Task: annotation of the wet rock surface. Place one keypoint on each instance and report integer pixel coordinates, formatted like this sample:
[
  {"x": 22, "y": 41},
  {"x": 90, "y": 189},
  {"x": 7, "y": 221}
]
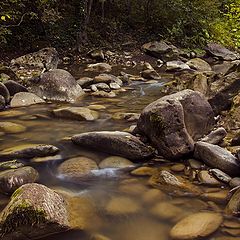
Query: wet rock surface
[
  {"x": 117, "y": 143},
  {"x": 25, "y": 99},
  {"x": 43, "y": 210},
  {"x": 218, "y": 157},
  {"x": 11, "y": 180},
  {"x": 196, "y": 225}
]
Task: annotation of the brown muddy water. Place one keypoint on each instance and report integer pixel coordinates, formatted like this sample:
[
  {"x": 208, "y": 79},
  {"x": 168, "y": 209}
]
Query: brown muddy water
[{"x": 136, "y": 215}]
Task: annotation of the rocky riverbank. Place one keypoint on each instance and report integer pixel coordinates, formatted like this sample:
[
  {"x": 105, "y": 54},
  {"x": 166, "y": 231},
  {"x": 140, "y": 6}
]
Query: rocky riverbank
[{"x": 183, "y": 145}]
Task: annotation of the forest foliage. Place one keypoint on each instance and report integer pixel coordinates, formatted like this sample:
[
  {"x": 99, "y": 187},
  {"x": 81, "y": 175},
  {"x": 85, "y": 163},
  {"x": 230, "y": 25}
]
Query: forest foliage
[{"x": 70, "y": 23}]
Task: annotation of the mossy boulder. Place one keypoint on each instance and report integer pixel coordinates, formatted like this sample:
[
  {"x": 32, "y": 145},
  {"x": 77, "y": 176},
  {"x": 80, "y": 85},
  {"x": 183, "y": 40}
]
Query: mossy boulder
[
  {"x": 174, "y": 122},
  {"x": 34, "y": 212}
]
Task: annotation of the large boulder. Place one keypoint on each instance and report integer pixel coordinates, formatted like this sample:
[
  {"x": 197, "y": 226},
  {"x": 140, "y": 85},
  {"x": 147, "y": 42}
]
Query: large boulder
[
  {"x": 220, "y": 52},
  {"x": 115, "y": 143},
  {"x": 174, "y": 122},
  {"x": 217, "y": 157},
  {"x": 34, "y": 212},
  {"x": 57, "y": 85}
]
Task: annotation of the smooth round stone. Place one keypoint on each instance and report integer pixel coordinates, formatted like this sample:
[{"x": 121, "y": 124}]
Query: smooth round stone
[
  {"x": 10, "y": 127},
  {"x": 122, "y": 206},
  {"x": 235, "y": 182},
  {"x": 115, "y": 162},
  {"x": 75, "y": 169},
  {"x": 166, "y": 211},
  {"x": 231, "y": 224},
  {"x": 76, "y": 113},
  {"x": 153, "y": 195},
  {"x": 205, "y": 178},
  {"x": 96, "y": 107},
  {"x": 133, "y": 189},
  {"x": 22, "y": 99},
  {"x": 177, "y": 167},
  {"x": 143, "y": 171},
  {"x": 196, "y": 225},
  {"x": 222, "y": 176},
  {"x": 217, "y": 197},
  {"x": 104, "y": 94}
]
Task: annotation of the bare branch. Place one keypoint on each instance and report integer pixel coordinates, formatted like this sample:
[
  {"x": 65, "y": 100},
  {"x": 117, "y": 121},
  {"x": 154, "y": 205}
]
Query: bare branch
[{"x": 16, "y": 25}]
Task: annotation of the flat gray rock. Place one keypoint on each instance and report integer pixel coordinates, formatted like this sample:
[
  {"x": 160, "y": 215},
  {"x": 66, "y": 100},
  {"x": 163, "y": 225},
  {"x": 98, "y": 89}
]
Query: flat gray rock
[{"x": 217, "y": 157}]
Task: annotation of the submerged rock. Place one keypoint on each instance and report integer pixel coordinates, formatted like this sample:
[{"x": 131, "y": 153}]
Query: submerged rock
[
  {"x": 169, "y": 183},
  {"x": 174, "y": 122},
  {"x": 28, "y": 151},
  {"x": 10, "y": 127},
  {"x": 117, "y": 143},
  {"x": 104, "y": 94},
  {"x": 11, "y": 180},
  {"x": 57, "y": 85},
  {"x": 217, "y": 157},
  {"x": 75, "y": 169},
  {"x": 115, "y": 162},
  {"x": 34, "y": 212},
  {"x": 22, "y": 99},
  {"x": 196, "y": 225},
  {"x": 76, "y": 113}
]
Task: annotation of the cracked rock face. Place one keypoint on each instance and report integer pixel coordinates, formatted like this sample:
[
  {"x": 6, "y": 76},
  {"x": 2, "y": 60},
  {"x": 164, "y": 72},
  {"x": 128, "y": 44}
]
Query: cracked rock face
[
  {"x": 34, "y": 211},
  {"x": 174, "y": 122}
]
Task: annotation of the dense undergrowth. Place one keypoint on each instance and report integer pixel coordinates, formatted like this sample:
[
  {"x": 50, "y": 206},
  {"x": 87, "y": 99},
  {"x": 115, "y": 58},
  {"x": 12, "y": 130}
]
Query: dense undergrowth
[{"x": 65, "y": 24}]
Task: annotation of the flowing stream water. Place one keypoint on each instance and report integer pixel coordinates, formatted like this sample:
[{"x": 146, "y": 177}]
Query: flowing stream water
[{"x": 90, "y": 198}]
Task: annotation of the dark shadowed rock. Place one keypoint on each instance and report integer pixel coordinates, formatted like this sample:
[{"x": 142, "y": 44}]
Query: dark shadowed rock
[
  {"x": 46, "y": 57},
  {"x": 76, "y": 113},
  {"x": 150, "y": 74},
  {"x": 14, "y": 164},
  {"x": 2, "y": 102},
  {"x": 223, "y": 91},
  {"x": 25, "y": 99},
  {"x": 10, "y": 180},
  {"x": 217, "y": 157},
  {"x": 57, "y": 85},
  {"x": 174, "y": 122},
  {"x": 161, "y": 50},
  {"x": 14, "y": 87},
  {"x": 115, "y": 143},
  {"x": 217, "y": 50},
  {"x": 85, "y": 82},
  {"x": 34, "y": 212},
  {"x": 4, "y": 92},
  {"x": 215, "y": 136},
  {"x": 28, "y": 151}
]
